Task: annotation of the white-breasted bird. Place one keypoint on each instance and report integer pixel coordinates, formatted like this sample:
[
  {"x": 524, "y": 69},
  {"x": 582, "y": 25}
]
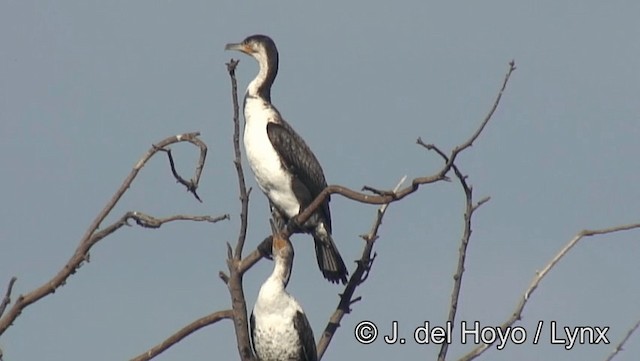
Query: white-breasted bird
[
  {"x": 286, "y": 170},
  {"x": 280, "y": 330}
]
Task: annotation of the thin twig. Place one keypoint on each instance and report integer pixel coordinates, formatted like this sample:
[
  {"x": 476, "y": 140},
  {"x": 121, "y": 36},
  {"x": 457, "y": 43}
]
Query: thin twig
[
  {"x": 147, "y": 221},
  {"x": 182, "y": 333},
  {"x": 90, "y": 236},
  {"x": 512, "y": 68},
  {"x": 192, "y": 185},
  {"x": 517, "y": 314},
  {"x": 7, "y": 296},
  {"x": 357, "y": 278},
  {"x": 620, "y": 346},
  {"x": 234, "y": 279}
]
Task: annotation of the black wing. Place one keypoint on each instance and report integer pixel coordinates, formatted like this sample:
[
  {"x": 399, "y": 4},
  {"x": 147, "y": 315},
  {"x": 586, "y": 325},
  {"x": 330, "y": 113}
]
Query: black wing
[
  {"x": 300, "y": 160},
  {"x": 252, "y": 328},
  {"x": 305, "y": 333}
]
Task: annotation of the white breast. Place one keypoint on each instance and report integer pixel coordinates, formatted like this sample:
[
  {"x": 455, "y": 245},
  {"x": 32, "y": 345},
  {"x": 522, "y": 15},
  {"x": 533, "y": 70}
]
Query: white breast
[
  {"x": 263, "y": 159},
  {"x": 275, "y": 337}
]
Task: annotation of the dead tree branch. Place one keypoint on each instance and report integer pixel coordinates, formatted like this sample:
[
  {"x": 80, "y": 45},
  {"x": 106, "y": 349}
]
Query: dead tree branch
[
  {"x": 147, "y": 221},
  {"x": 182, "y": 333},
  {"x": 464, "y": 242},
  {"x": 92, "y": 236},
  {"x": 237, "y": 161},
  {"x": 357, "y": 278},
  {"x": 620, "y": 346},
  {"x": 234, "y": 279},
  {"x": 384, "y": 197},
  {"x": 517, "y": 314}
]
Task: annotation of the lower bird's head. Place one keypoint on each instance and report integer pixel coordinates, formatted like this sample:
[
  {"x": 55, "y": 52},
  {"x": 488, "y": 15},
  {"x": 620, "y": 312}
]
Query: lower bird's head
[{"x": 281, "y": 247}]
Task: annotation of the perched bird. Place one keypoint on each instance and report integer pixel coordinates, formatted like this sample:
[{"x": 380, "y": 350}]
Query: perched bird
[
  {"x": 279, "y": 328},
  {"x": 285, "y": 168}
]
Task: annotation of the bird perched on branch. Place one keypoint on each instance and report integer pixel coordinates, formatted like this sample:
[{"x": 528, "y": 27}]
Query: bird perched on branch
[
  {"x": 279, "y": 328},
  {"x": 285, "y": 168}
]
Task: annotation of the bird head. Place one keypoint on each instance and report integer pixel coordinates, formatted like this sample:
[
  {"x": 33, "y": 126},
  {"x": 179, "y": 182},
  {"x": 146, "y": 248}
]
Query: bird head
[
  {"x": 251, "y": 44},
  {"x": 260, "y": 47},
  {"x": 281, "y": 247}
]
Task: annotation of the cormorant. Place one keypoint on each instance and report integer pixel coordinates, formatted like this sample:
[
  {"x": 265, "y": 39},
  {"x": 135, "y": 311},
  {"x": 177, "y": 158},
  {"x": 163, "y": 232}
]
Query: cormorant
[
  {"x": 279, "y": 328},
  {"x": 284, "y": 166}
]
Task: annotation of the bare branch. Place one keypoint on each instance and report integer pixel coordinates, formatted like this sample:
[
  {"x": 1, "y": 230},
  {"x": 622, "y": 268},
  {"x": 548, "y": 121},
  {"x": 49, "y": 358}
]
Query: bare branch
[
  {"x": 244, "y": 194},
  {"x": 469, "y": 142},
  {"x": 481, "y": 202},
  {"x": 517, "y": 314},
  {"x": 182, "y": 333},
  {"x": 470, "y": 206},
  {"x": 380, "y": 192},
  {"x": 90, "y": 236},
  {"x": 239, "y": 306},
  {"x": 7, "y": 296},
  {"x": 462, "y": 252},
  {"x": 147, "y": 221},
  {"x": 234, "y": 279},
  {"x": 384, "y": 197},
  {"x": 619, "y": 347},
  {"x": 192, "y": 185},
  {"x": 356, "y": 279},
  {"x": 223, "y": 276}
]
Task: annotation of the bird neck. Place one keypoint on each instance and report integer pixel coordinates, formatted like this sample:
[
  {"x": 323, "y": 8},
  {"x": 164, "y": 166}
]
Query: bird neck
[
  {"x": 273, "y": 297},
  {"x": 260, "y": 86},
  {"x": 281, "y": 272}
]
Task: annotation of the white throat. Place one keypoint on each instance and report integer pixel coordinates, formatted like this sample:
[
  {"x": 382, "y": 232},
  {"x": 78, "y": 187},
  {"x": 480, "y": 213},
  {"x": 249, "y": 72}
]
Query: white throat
[{"x": 252, "y": 88}]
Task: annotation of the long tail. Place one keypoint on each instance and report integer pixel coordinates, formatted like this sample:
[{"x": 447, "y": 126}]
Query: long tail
[{"x": 329, "y": 260}]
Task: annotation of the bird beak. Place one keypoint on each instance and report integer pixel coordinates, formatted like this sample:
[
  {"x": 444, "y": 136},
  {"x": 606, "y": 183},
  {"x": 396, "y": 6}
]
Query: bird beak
[{"x": 237, "y": 46}]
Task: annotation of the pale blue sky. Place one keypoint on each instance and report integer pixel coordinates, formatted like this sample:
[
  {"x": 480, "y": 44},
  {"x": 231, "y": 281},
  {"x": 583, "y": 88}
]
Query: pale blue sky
[{"x": 86, "y": 87}]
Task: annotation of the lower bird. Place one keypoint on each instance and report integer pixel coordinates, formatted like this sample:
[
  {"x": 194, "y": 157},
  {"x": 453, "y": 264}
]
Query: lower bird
[
  {"x": 280, "y": 330},
  {"x": 285, "y": 168}
]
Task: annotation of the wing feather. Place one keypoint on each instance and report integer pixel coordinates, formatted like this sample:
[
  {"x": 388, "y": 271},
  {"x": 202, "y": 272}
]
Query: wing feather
[
  {"x": 305, "y": 333},
  {"x": 298, "y": 158}
]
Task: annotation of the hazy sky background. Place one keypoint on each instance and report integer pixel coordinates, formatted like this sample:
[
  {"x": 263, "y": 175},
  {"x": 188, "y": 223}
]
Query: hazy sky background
[{"x": 86, "y": 87}]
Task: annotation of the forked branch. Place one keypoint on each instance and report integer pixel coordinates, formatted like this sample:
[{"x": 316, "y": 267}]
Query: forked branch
[
  {"x": 470, "y": 209},
  {"x": 192, "y": 184},
  {"x": 384, "y": 197},
  {"x": 92, "y": 235}
]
